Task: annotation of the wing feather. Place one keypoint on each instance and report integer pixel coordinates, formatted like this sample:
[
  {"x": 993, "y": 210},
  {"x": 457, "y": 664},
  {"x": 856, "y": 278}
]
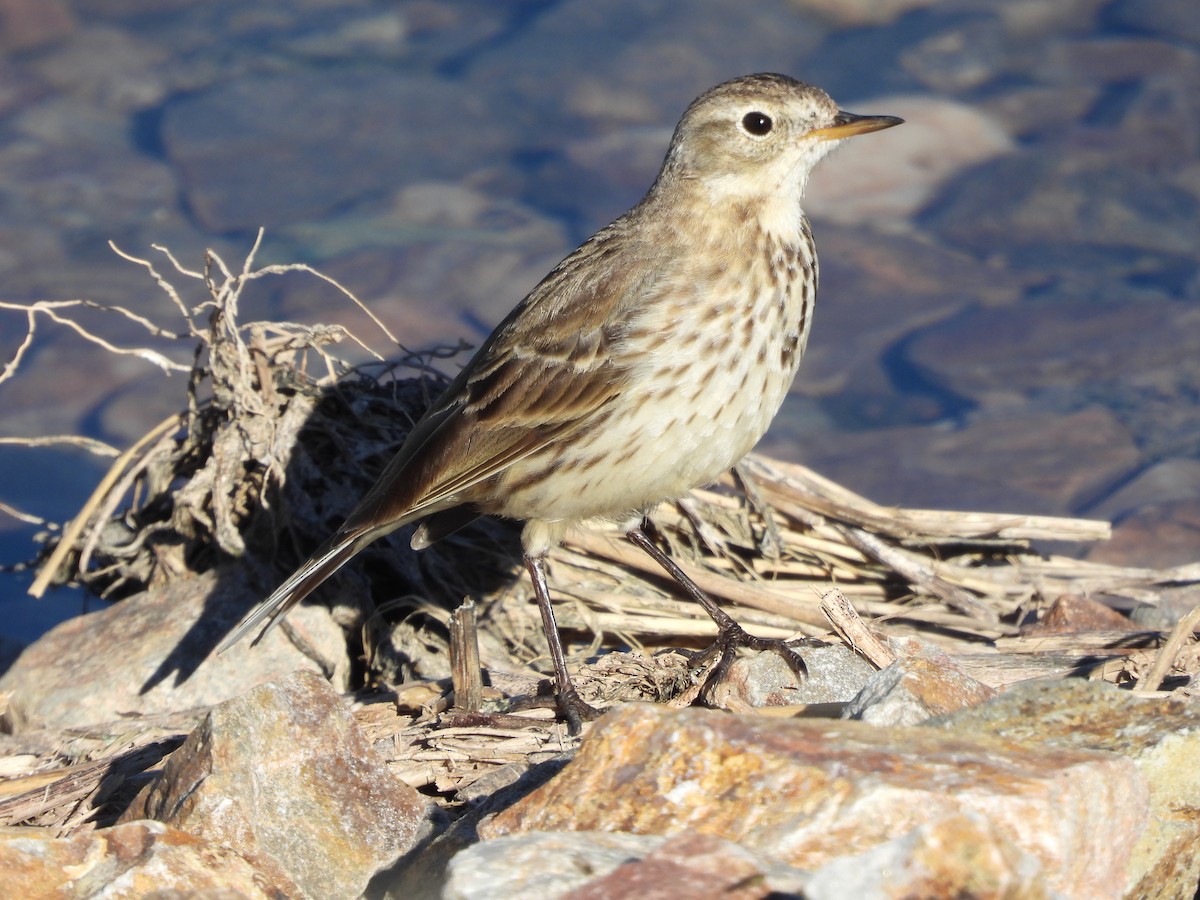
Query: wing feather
[{"x": 545, "y": 372}]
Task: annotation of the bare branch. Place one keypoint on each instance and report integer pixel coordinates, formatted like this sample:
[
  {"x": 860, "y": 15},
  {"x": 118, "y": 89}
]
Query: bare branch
[{"x": 99, "y": 448}]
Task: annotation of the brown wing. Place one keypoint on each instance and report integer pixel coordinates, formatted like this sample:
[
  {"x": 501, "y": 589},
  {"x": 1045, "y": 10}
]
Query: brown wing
[{"x": 544, "y": 372}]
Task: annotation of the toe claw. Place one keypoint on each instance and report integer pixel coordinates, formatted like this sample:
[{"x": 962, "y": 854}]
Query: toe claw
[
  {"x": 575, "y": 711},
  {"x": 727, "y": 643}
]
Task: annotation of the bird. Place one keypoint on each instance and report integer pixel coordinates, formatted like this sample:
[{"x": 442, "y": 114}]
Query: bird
[{"x": 647, "y": 363}]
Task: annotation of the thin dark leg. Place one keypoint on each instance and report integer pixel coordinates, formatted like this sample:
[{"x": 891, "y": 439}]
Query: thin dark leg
[
  {"x": 574, "y": 710},
  {"x": 730, "y": 635}
]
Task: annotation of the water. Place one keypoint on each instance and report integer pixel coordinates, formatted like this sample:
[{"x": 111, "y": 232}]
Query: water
[{"x": 438, "y": 159}]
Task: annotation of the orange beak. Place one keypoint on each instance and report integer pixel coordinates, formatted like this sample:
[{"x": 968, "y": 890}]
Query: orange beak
[{"x": 848, "y": 124}]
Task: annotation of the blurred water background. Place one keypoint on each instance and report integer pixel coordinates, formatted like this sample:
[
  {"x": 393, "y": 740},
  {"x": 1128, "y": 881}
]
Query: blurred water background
[{"x": 1009, "y": 315}]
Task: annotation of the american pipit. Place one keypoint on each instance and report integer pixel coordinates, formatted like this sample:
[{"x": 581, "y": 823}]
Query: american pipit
[{"x": 647, "y": 363}]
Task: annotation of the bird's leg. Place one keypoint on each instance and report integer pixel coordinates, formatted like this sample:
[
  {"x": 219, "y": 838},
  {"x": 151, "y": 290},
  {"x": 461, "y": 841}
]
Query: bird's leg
[
  {"x": 573, "y": 709},
  {"x": 730, "y": 634}
]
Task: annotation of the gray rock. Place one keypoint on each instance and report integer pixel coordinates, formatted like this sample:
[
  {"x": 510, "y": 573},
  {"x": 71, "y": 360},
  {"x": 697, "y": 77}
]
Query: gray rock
[
  {"x": 285, "y": 776},
  {"x": 1051, "y": 196},
  {"x": 240, "y": 146},
  {"x": 541, "y": 864},
  {"x": 154, "y": 652},
  {"x": 591, "y": 865},
  {"x": 1172, "y": 19}
]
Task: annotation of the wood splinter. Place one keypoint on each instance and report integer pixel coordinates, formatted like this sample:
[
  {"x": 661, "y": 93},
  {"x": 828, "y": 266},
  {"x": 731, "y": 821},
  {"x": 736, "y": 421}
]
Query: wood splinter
[{"x": 465, "y": 673}]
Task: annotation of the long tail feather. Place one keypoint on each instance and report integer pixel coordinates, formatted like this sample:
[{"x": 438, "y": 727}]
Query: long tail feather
[{"x": 303, "y": 582}]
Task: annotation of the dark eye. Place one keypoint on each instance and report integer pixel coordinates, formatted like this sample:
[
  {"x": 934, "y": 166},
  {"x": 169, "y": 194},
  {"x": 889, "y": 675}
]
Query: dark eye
[{"x": 757, "y": 123}]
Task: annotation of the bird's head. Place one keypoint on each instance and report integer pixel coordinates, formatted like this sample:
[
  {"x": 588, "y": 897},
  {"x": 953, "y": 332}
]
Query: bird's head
[{"x": 759, "y": 133}]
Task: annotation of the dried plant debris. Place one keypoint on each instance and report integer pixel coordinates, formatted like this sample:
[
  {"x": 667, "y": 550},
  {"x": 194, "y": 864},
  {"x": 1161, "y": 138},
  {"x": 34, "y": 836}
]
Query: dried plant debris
[
  {"x": 266, "y": 456},
  {"x": 280, "y": 432}
]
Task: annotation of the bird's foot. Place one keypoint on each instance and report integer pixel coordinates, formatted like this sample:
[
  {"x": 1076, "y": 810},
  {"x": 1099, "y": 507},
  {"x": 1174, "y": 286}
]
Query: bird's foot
[
  {"x": 724, "y": 651},
  {"x": 574, "y": 710}
]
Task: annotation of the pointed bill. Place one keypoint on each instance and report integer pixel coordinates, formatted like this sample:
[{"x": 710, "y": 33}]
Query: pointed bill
[{"x": 847, "y": 124}]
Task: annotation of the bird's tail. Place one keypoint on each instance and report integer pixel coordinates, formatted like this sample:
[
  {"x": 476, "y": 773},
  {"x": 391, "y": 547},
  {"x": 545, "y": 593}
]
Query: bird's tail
[{"x": 303, "y": 582}]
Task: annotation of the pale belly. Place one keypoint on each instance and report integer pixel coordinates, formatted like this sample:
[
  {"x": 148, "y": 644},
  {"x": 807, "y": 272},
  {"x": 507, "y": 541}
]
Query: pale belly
[{"x": 701, "y": 400}]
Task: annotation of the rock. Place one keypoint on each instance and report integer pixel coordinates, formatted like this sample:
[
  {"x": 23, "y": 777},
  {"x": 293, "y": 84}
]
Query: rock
[
  {"x": 544, "y": 864},
  {"x": 1072, "y": 613},
  {"x": 924, "y": 681},
  {"x": 285, "y": 776},
  {"x": 1158, "y": 537},
  {"x": 600, "y": 864},
  {"x": 1067, "y": 354},
  {"x": 695, "y": 865},
  {"x": 835, "y": 675},
  {"x": 892, "y": 176},
  {"x": 1038, "y": 111},
  {"x": 1033, "y": 25},
  {"x": 1161, "y": 737},
  {"x": 1170, "y": 605},
  {"x": 135, "y": 859},
  {"x": 1052, "y": 195},
  {"x": 1161, "y": 483},
  {"x": 437, "y": 261},
  {"x": 166, "y": 662},
  {"x": 966, "y": 56},
  {"x": 961, "y": 852},
  {"x": 1174, "y": 20},
  {"x": 858, "y": 13},
  {"x": 114, "y": 68},
  {"x": 25, "y": 24},
  {"x": 423, "y": 874},
  {"x": 874, "y": 292},
  {"x": 1115, "y": 59},
  {"x": 355, "y": 134},
  {"x": 605, "y": 174},
  {"x": 594, "y": 105},
  {"x": 809, "y": 792},
  {"x": 604, "y": 78},
  {"x": 1019, "y": 462}
]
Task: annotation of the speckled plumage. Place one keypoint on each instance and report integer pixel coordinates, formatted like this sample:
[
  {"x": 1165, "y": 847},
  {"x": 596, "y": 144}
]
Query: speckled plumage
[{"x": 647, "y": 363}]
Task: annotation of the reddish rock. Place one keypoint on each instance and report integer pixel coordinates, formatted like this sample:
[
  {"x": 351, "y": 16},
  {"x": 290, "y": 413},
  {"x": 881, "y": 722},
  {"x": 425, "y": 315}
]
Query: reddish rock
[
  {"x": 1160, "y": 736},
  {"x": 924, "y": 681},
  {"x": 31, "y": 23},
  {"x": 1155, "y": 537},
  {"x": 1071, "y": 613},
  {"x": 578, "y": 864},
  {"x": 867, "y": 185},
  {"x": 136, "y": 859},
  {"x": 960, "y": 855},
  {"x": 808, "y": 792},
  {"x": 693, "y": 865}
]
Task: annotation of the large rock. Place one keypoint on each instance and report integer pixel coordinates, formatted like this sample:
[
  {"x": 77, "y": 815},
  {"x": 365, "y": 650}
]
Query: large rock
[
  {"x": 1020, "y": 462},
  {"x": 285, "y": 776},
  {"x": 892, "y": 176},
  {"x": 810, "y": 792},
  {"x": 1160, "y": 736},
  {"x": 1069, "y": 347},
  {"x": 355, "y": 135},
  {"x": 155, "y": 652}
]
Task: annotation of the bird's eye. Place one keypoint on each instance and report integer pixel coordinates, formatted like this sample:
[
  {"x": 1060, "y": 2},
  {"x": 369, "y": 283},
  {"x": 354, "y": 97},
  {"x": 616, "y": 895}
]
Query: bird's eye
[{"x": 757, "y": 123}]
